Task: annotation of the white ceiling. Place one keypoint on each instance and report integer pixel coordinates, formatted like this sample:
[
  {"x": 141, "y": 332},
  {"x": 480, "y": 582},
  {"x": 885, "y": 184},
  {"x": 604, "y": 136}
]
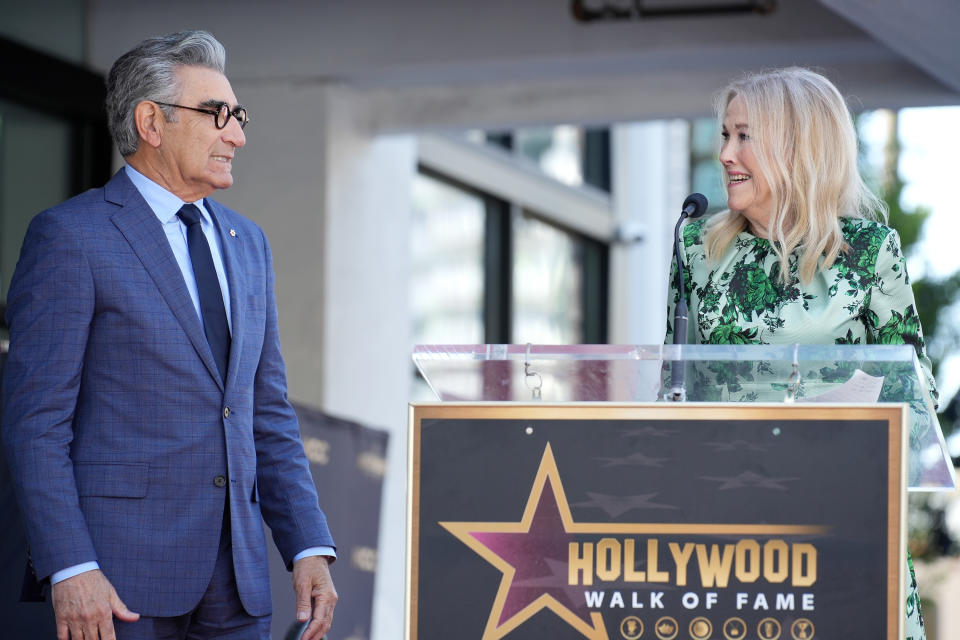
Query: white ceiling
[{"x": 456, "y": 63}]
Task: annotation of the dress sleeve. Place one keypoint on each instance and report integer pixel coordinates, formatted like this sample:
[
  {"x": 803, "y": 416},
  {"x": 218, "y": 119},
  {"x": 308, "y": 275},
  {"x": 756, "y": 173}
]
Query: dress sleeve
[{"x": 890, "y": 311}]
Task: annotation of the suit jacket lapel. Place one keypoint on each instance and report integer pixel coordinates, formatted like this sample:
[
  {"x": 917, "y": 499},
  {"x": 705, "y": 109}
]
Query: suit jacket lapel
[
  {"x": 139, "y": 225},
  {"x": 231, "y": 248}
]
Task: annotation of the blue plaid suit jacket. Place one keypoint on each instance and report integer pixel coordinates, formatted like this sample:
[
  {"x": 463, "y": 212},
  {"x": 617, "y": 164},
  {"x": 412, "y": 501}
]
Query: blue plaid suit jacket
[{"x": 116, "y": 421}]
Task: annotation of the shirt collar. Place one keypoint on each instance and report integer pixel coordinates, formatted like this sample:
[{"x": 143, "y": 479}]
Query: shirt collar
[{"x": 163, "y": 203}]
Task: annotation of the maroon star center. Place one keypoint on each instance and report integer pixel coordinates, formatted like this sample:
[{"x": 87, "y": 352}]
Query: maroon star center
[{"x": 528, "y": 553}]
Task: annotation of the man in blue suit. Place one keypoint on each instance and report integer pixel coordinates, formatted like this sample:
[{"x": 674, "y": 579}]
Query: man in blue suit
[{"x": 145, "y": 405}]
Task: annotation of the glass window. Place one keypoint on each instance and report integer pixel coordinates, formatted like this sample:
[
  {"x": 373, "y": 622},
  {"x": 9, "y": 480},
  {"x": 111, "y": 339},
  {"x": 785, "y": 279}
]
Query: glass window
[
  {"x": 705, "y": 173},
  {"x": 35, "y": 173},
  {"x": 447, "y": 263},
  {"x": 56, "y": 27},
  {"x": 558, "y": 151},
  {"x": 476, "y": 136},
  {"x": 572, "y": 155},
  {"x": 547, "y": 283}
]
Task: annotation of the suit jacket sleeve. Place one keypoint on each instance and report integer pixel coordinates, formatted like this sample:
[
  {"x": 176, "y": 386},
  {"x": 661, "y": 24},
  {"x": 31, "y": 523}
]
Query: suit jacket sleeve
[
  {"x": 49, "y": 309},
  {"x": 288, "y": 496}
]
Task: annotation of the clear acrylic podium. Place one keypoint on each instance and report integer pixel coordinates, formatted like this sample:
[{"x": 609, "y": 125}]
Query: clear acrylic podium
[{"x": 710, "y": 373}]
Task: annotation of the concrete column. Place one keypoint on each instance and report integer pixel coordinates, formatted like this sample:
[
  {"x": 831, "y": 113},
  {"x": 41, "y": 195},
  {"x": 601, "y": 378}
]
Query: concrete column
[
  {"x": 367, "y": 329},
  {"x": 651, "y": 175}
]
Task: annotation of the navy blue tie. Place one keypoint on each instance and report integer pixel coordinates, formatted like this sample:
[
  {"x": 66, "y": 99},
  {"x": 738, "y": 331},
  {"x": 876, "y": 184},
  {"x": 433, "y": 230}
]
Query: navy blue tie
[{"x": 208, "y": 286}]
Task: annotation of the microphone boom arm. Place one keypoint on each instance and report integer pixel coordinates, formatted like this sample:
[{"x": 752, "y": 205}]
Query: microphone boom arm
[{"x": 693, "y": 207}]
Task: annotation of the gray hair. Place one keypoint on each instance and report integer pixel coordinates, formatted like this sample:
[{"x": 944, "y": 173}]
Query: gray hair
[{"x": 148, "y": 72}]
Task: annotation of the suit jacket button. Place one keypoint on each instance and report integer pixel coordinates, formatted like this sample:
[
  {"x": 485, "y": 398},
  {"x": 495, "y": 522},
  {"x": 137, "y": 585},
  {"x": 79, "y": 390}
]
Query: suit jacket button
[
  {"x": 220, "y": 481},
  {"x": 226, "y": 412}
]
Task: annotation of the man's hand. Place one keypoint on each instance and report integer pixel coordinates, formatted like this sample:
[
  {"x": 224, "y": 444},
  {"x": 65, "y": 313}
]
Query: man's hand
[
  {"x": 315, "y": 594},
  {"x": 85, "y": 606}
]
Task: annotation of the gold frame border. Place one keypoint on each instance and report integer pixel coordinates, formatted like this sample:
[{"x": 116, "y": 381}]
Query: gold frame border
[{"x": 894, "y": 414}]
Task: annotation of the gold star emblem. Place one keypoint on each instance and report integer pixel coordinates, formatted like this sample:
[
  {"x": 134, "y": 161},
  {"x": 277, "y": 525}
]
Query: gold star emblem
[{"x": 516, "y": 603}]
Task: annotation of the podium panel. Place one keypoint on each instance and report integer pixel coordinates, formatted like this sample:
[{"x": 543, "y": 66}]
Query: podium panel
[
  {"x": 863, "y": 374},
  {"x": 604, "y": 520}
]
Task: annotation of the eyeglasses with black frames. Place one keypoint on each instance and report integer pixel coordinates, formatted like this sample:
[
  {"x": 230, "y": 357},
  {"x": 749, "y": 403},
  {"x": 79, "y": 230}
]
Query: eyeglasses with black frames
[{"x": 219, "y": 110}]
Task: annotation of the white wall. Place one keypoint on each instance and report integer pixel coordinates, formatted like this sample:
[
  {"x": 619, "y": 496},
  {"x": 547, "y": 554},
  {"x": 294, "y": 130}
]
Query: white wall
[{"x": 280, "y": 182}]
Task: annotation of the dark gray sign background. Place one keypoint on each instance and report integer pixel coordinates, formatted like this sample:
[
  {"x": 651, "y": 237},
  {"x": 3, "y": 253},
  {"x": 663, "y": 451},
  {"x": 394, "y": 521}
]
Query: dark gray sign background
[{"x": 800, "y": 472}]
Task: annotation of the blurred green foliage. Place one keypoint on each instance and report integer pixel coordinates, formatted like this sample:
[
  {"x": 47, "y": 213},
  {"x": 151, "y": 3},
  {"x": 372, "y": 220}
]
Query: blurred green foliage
[
  {"x": 935, "y": 296},
  {"x": 930, "y": 536}
]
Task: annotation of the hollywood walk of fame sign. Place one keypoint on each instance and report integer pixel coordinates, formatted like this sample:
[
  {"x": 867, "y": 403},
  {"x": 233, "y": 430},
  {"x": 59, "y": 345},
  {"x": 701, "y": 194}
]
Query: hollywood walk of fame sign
[{"x": 605, "y": 521}]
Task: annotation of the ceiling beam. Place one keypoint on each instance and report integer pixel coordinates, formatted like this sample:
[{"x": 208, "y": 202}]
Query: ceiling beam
[{"x": 925, "y": 33}]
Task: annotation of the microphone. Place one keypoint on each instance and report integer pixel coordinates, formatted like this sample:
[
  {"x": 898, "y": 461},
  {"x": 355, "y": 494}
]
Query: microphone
[{"x": 693, "y": 207}]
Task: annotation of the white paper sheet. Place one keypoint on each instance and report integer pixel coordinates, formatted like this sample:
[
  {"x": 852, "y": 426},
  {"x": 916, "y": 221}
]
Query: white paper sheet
[{"x": 860, "y": 388}]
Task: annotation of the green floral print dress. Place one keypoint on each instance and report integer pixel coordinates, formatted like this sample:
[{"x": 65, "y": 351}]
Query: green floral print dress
[{"x": 864, "y": 298}]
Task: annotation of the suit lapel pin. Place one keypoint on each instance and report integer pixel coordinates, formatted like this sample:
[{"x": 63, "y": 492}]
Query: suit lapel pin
[{"x": 233, "y": 234}]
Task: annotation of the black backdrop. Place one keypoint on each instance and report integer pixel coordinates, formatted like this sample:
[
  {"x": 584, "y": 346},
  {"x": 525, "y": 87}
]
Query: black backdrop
[{"x": 348, "y": 461}]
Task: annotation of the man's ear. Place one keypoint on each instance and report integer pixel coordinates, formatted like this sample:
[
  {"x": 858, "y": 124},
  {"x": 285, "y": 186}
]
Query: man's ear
[{"x": 150, "y": 121}]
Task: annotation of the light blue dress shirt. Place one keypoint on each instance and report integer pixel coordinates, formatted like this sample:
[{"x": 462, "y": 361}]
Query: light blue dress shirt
[{"x": 165, "y": 206}]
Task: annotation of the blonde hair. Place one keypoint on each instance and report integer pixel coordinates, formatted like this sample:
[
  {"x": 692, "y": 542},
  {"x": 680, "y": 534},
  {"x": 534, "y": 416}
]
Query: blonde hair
[{"x": 806, "y": 147}]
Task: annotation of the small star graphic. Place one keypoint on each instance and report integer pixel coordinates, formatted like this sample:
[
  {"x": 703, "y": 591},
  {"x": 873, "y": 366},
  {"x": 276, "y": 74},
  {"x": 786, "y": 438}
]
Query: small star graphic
[
  {"x": 634, "y": 459},
  {"x": 749, "y": 479},
  {"x": 648, "y": 431},
  {"x": 616, "y": 506},
  {"x": 736, "y": 445}
]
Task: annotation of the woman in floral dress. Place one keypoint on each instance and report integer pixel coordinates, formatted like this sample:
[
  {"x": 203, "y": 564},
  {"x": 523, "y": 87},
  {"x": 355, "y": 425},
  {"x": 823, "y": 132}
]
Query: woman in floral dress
[{"x": 800, "y": 255}]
